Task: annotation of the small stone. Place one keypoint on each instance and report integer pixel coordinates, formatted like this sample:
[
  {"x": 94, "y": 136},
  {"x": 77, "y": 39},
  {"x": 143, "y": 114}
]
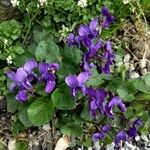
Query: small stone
[
  {"x": 130, "y": 146},
  {"x": 127, "y": 65},
  {"x": 148, "y": 66},
  {"x": 46, "y": 127},
  {"x": 134, "y": 75},
  {"x": 145, "y": 138},
  {"x": 137, "y": 138},
  {"x": 144, "y": 71},
  {"x": 132, "y": 67},
  {"x": 127, "y": 58},
  {"x": 12, "y": 144},
  {"x": 3, "y": 118},
  {"x": 36, "y": 143},
  {"x": 142, "y": 63}
]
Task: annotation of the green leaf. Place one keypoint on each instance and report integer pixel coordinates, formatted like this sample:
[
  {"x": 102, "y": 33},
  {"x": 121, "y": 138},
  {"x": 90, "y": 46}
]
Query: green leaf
[
  {"x": 48, "y": 50},
  {"x": 41, "y": 111},
  {"x": 71, "y": 129},
  {"x": 17, "y": 127},
  {"x": 23, "y": 117},
  {"x": 21, "y": 145},
  {"x": 62, "y": 98},
  {"x": 125, "y": 94},
  {"x": 19, "y": 50},
  {"x": 141, "y": 86},
  {"x": 96, "y": 79},
  {"x": 12, "y": 103},
  {"x": 70, "y": 60},
  {"x": 147, "y": 80},
  {"x": 85, "y": 112}
]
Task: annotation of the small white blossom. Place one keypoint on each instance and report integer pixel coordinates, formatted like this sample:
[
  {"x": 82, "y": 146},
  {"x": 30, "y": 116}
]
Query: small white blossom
[
  {"x": 5, "y": 41},
  {"x": 42, "y": 2},
  {"x": 9, "y": 59},
  {"x": 14, "y": 3},
  {"x": 82, "y": 3},
  {"x": 126, "y": 1}
]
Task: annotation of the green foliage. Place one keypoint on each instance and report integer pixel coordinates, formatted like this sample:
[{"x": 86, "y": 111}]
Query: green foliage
[
  {"x": 71, "y": 129},
  {"x": 21, "y": 145},
  {"x": 62, "y": 98},
  {"x": 12, "y": 103},
  {"x": 41, "y": 111}
]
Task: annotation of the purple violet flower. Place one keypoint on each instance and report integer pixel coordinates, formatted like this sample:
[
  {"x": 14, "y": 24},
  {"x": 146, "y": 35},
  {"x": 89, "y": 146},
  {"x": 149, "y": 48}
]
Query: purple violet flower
[
  {"x": 121, "y": 136},
  {"x": 108, "y": 18},
  {"x": 97, "y": 98},
  {"x": 101, "y": 135},
  {"x": 132, "y": 132},
  {"x": 115, "y": 101},
  {"x": 77, "y": 82},
  {"x": 47, "y": 74},
  {"x": 107, "y": 57}
]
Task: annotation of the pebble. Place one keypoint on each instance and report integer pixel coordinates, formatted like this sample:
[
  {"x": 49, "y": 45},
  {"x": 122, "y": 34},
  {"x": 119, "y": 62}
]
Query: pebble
[
  {"x": 148, "y": 66},
  {"x": 12, "y": 144},
  {"x": 132, "y": 67},
  {"x": 145, "y": 138},
  {"x": 144, "y": 71},
  {"x": 36, "y": 142},
  {"x": 127, "y": 58},
  {"x": 134, "y": 75},
  {"x": 128, "y": 145},
  {"x": 137, "y": 138},
  {"x": 97, "y": 145},
  {"x": 46, "y": 127},
  {"x": 3, "y": 118},
  {"x": 142, "y": 63},
  {"x": 127, "y": 65}
]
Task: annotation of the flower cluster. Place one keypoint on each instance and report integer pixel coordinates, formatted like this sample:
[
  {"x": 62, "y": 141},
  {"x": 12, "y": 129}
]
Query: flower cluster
[
  {"x": 25, "y": 77},
  {"x": 100, "y": 54},
  {"x": 97, "y": 48}
]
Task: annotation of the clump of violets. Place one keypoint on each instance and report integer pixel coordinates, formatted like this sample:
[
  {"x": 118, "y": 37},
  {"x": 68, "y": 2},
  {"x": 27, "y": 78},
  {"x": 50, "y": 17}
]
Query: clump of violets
[
  {"x": 25, "y": 77},
  {"x": 101, "y": 102},
  {"x": 97, "y": 49}
]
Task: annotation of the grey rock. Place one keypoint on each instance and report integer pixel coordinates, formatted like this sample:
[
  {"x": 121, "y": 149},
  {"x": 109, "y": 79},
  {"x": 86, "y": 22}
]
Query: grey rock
[
  {"x": 145, "y": 138},
  {"x": 144, "y": 71},
  {"x": 12, "y": 144},
  {"x": 134, "y": 75},
  {"x": 142, "y": 63},
  {"x": 46, "y": 127},
  {"x": 127, "y": 58}
]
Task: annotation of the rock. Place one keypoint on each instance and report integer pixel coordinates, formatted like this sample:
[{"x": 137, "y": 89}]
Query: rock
[
  {"x": 132, "y": 67},
  {"x": 137, "y": 138},
  {"x": 130, "y": 146},
  {"x": 148, "y": 66},
  {"x": 36, "y": 148},
  {"x": 142, "y": 63},
  {"x": 46, "y": 127},
  {"x": 36, "y": 142},
  {"x": 144, "y": 71},
  {"x": 111, "y": 146},
  {"x": 134, "y": 75},
  {"x": 12, "y": 144},
  {"x": 127, "y": 58},
  {"x": 127, "y": 65},
  {"x": 96, "y": 145},
  {"x": 145, "y": 138}
]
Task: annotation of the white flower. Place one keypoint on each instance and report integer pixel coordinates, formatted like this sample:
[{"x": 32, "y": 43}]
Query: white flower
[
  {"x": 14, "y": 3},
  {"x": 9, "y": 59},
  {"x": 82, "y": 3},
  {"x": 42, "y": 2},
  {"x": 5, "y": 41},
  {"x": 126, "y": 1}
]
